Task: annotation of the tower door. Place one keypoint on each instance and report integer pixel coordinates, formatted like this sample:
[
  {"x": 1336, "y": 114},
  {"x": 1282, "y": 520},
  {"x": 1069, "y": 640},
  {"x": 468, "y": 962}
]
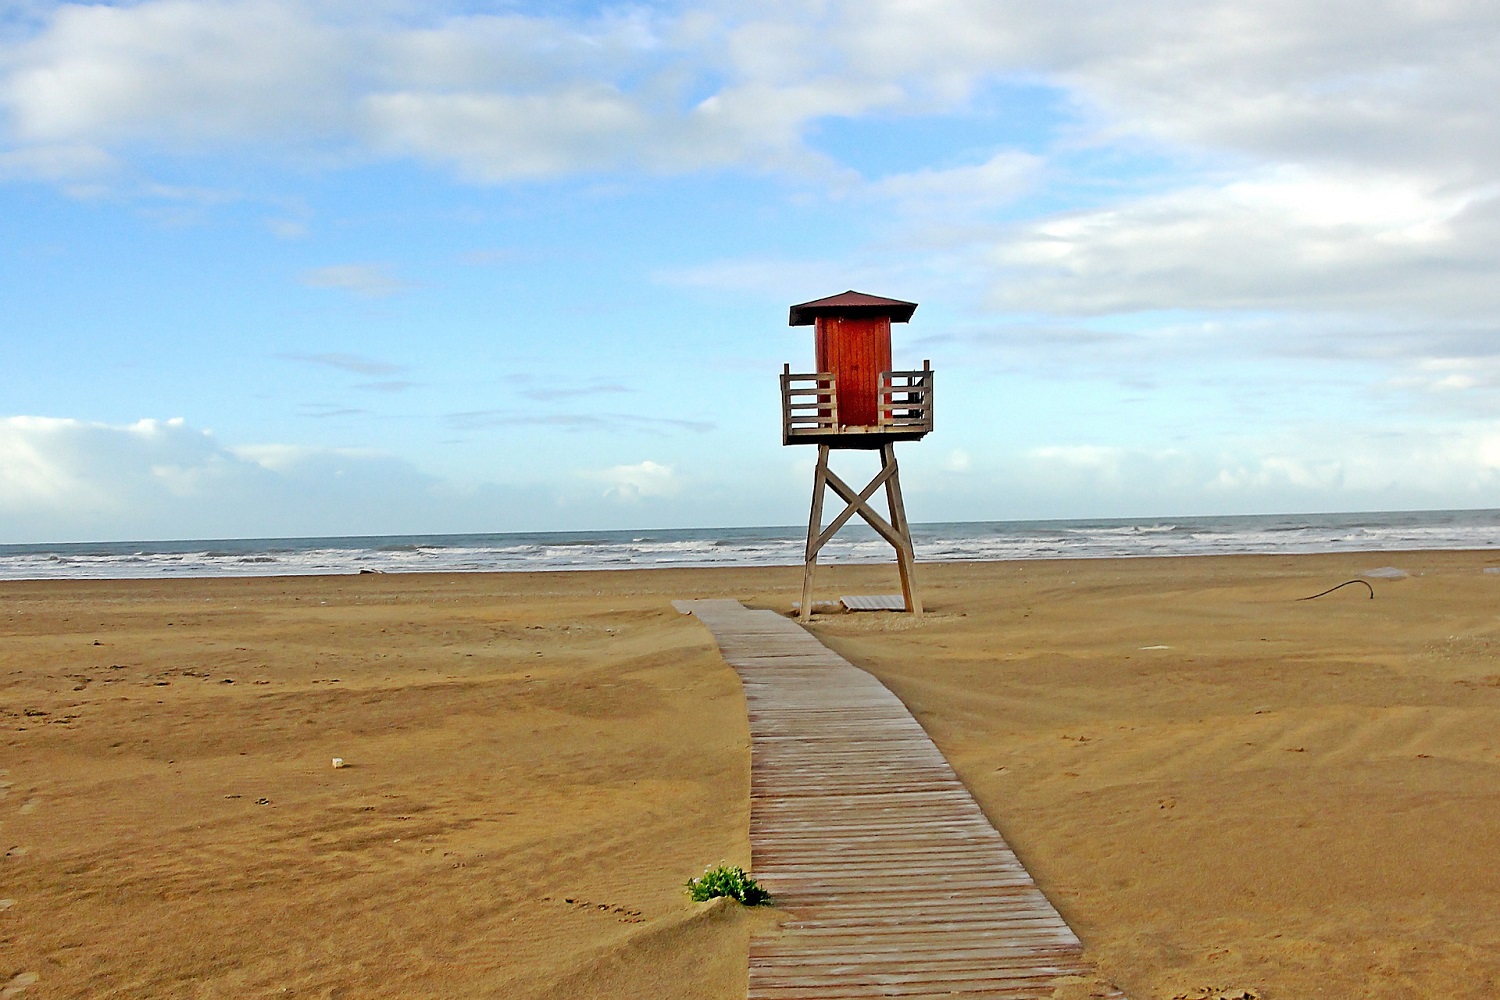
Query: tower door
[{"x": 856, "y": 351}]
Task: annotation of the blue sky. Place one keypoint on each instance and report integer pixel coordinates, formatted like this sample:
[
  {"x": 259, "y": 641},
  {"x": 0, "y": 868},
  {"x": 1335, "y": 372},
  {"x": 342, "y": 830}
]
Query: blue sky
[{"x": 327, "y": 267}]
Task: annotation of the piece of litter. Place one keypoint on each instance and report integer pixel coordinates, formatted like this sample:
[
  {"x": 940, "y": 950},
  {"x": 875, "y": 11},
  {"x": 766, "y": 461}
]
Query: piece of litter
[
  {"x": 874, "y": 602},
  {"x": 1156, "y": 647},
  {"x": 338, "y": 762},
  {"x": 1387, "y": 573}
]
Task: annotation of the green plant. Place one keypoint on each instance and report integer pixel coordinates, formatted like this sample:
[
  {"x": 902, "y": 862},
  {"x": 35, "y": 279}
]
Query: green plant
[{"x": 724, "y": 880}]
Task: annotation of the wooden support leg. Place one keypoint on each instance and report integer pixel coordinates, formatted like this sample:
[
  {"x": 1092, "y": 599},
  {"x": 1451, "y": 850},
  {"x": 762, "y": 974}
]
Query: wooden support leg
[
  {"x": 905, "y": 551},
  {"x": 897, "y": 530},
  {"x": 814, "y": 531}
]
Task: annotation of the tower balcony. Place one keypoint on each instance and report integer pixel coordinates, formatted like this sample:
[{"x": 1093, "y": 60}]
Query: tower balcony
[{"x": 810, "y": 409}]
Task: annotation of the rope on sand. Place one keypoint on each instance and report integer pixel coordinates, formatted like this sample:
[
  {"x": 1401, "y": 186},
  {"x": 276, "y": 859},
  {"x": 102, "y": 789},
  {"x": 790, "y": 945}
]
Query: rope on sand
[{"x": 1344, "y": 584}]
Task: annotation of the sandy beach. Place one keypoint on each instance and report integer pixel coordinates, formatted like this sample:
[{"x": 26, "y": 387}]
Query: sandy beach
[{"x": 1220, "y": 786}]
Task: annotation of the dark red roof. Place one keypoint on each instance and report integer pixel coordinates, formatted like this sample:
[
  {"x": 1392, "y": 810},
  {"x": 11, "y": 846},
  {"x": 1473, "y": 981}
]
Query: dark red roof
[{"x": 851, "y": 303}]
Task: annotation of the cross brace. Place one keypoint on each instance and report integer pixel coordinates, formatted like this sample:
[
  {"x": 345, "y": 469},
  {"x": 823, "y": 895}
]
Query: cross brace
[{"x": 895, "y": 530}]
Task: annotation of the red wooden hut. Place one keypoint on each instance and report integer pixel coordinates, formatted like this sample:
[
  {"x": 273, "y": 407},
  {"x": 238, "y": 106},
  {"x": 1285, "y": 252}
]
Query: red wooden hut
[{"x": 852, "y": 334}]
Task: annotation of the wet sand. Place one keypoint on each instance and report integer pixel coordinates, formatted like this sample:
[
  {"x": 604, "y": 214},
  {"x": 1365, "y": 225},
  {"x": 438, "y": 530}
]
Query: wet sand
[{"x": 1220, "y": 786}]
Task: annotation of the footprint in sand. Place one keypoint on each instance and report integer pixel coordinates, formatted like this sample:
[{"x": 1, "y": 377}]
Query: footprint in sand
[{"x": 17, "y": 984}]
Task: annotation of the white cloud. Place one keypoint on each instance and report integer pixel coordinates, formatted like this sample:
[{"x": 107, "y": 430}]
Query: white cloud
[
  {"x": 773, "y": 278},
  {"x": 286, "y": 458},
  {"x": 371, "y": 281},
  {"x": 30, "y": 472},
  {"x": 64, "y": 479},
  {"x": 186, "y": 71},
  {"x": 73, "y": 480},
  {"x": 1451, "y": 375},
  {"x": 1285, "y": 238},
  {"x": 1392, "y": 85},
  {"x": 1099, "y": 464},
  {"x": 499, "y": 137},
  {"x": 287, "y": 229},
  {"x": 359, "y": 364},
  {"x": 637, "y": 482},
  {"x": 1331, "y": 467},
  {"x": 961, "y": 192},
  {"x": 957, "y": 460},
  {"x": 66, "y": 164},
  {"x": 1400, "y": 85},
  {"x": 59, "y": 467}
]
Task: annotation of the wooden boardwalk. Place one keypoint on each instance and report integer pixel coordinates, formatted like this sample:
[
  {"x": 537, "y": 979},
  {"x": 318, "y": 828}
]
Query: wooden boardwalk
[{"x": 895, "y": 883}]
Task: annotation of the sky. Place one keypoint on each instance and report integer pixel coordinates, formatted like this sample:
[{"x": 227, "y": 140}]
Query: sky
[{"x": 346, "y": 267}]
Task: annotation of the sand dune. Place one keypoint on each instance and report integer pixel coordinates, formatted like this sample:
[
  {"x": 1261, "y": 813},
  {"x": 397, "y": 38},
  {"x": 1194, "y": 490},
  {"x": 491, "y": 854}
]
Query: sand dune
[{"x": 1219, "y": 785}]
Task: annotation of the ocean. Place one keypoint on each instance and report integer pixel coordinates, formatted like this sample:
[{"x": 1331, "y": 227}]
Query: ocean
[{"x": 585, "y": 550}]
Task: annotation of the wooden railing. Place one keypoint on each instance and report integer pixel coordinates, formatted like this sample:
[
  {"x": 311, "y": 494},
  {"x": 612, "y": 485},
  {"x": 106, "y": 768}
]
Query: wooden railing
[
  {"x": 810, "y": 407},
  {"x": 906, "y": 401}
]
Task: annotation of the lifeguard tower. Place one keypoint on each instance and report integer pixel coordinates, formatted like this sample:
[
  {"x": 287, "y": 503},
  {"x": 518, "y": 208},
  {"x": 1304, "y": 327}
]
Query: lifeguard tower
[{"x": 855, "y": 400}]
